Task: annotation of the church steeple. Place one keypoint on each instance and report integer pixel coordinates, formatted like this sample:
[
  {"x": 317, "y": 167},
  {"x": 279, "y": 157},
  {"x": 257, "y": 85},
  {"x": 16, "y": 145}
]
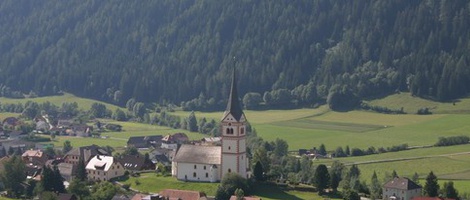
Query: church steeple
[{"x": 233, "y": 105}]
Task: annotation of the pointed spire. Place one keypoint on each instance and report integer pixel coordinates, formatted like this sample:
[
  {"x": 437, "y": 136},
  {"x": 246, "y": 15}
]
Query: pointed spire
[{"x": 233, "y": 105}]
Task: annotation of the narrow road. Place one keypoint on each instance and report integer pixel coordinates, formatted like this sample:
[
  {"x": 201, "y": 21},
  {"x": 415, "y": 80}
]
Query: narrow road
[{"x": 404, "y": 159}]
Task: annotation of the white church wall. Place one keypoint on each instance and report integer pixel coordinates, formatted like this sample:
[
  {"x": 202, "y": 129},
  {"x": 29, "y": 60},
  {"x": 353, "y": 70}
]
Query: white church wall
[{"x": 196, "y": 172}]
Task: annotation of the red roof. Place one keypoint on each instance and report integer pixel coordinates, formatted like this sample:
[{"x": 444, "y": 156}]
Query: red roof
[
  {"x": 245, "y": 198},
  {"x": 430, "y": 198},
  {"x": 182, "y": 194}
]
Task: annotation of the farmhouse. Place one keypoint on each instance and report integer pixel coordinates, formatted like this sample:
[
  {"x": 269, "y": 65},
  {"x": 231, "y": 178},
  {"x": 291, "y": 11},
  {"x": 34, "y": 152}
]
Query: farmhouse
[
  {"x": 140, "y": 142},
  {"x": 83, "y": 153},
  {"x": 211, "y": 163},
  {"x": 401, "y": 189},
  {"x": 104, "y": 168},
  {"x": 34, "y": 157}
]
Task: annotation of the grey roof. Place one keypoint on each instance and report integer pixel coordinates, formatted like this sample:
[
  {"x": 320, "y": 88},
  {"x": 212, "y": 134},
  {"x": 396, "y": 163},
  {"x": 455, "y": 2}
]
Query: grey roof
[
  {"x": 233, "y": 105},
  {"x": 66, "y": 169},
  {"x": 402, "y": 184},
  {"x": 87, "y": 152},
  {"x": 199, "y": 154},
  {"x": 132, "y": 162}
]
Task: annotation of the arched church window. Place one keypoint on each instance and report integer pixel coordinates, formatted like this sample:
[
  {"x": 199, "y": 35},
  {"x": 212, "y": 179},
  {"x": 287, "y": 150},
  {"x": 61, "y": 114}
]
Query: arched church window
[
  {"x": 194, "y": 174},
  {"x": 228, "y": 131},
  {"x": 229, "y": 170},
  {"x": 242, "y": 131},
  {"x": 231, "y": 130}
]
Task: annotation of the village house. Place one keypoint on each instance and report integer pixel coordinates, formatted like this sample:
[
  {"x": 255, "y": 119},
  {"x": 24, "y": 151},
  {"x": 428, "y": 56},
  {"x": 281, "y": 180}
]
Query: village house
[
  {"x": 104, "y": 168},
  {"x": 83, "y": 153},
  {"x": 169, "y": 194},
  {"x": 135, "y": 163},
  {"x": 401, "y": 189},
  {"x": 172, "y": 141},
  {"x": 34, "y": 157},
  {"x": 216, "y": 141},
  {"x": 142, "y": 142}
]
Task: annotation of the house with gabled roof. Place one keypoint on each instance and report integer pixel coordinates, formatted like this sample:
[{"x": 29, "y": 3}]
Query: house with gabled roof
[
  {"x": 182, "y": 194},
  {"x": 140, "y": 142},
  {"x": 34, "y": 157},
  {"x": 135, "y": 163},
  {"x": 104, "y": 168},
  {"x": 400, "y": 188},
  {"x": 83, "y": 153}
]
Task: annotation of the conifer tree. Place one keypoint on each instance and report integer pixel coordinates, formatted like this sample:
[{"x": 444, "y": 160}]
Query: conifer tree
[{"x": 431, "y": 187}]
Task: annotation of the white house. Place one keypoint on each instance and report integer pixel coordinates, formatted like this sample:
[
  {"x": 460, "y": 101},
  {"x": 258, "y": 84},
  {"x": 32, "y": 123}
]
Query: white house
[
  {"x": 104, "y": 168},
  {"x": 400, "y": 189}
]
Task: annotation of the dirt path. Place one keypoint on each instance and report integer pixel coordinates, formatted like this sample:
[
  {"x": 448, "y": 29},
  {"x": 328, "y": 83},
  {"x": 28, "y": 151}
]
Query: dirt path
[{"x": 404, "y": 159}]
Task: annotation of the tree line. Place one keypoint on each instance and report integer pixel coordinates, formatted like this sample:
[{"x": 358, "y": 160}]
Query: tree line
[{"x": 167, "y": 51}]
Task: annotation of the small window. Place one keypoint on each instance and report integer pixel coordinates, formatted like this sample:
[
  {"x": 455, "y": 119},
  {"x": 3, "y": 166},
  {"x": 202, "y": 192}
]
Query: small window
[
  {"x": 242, "y": 157},
  {"x": 229, "y": 170},
  {"x": 204, "y": 167},
  {"x": 195, "y": 167},
  {"x": 242, "y": 131},
  {"x": 207, "y": 174},
  {"x": 229, "y": 147},
  {"x": 194, "y": 174}
]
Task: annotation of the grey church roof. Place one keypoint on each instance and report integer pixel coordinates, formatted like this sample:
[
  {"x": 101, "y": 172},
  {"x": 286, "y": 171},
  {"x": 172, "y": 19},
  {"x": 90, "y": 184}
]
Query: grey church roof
[
  {"x": 233, "y": 105},
  {"x": 199, "y": 154}
]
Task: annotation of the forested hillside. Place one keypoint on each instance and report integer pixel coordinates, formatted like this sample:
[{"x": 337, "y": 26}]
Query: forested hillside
[{"x": 176, "y": 51}]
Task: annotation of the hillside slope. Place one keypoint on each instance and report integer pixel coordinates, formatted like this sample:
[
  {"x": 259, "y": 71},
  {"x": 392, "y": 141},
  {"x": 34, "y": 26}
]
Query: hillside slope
[{"x": 176, "y": 50}]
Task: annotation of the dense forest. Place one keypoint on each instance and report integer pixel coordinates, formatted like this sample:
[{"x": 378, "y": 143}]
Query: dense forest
[{"x": 174, "y": 51}]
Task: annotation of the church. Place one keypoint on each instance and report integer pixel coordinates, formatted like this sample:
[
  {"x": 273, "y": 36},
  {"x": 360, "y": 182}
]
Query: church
[{"x": 211, "y": 163}]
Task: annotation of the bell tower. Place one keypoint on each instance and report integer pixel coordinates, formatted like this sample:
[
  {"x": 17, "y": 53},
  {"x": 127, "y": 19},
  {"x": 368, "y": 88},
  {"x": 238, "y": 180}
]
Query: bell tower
[{"x": 233, "y": 127}]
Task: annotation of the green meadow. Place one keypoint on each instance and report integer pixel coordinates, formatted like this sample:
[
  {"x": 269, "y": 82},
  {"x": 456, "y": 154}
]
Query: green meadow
[
  {"x": 307, "y": 128},
  {"x": 146, "y": 183},
  {"x": 83, "y": 103}
]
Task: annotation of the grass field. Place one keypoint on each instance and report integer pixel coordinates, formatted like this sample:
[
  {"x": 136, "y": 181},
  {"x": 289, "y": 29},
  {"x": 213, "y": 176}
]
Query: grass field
[
  {"x": 411, "y": 104},
  {"x": 83, "y": 103},
  {"x": 148, "y": 180},
  {"x": 307, "y": 128}
]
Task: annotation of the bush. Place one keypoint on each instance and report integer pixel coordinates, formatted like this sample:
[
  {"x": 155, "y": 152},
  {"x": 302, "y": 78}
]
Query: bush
[
  {"x": 423, "y": 111},
  {"x": 453, "y": 140}
]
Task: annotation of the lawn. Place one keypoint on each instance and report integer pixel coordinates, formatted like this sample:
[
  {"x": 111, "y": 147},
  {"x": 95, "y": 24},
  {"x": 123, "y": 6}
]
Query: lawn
[
  {"x": 411, "y": 104},
  {"x": 152, "y": 182},
  {"x": 147, "y": 183},
  {"x": 83, "y": 103},
  {"x": 119, "y": 139},
  {"x": 4, "y": 115},
  {"x": 455, "y": 167}
]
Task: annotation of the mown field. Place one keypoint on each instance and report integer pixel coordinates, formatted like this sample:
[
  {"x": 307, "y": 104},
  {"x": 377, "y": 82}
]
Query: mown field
[
  {"x": 83, "y": 103},
  {"x": 147, "y": 184},
  {"x": 307, "y": 128}
]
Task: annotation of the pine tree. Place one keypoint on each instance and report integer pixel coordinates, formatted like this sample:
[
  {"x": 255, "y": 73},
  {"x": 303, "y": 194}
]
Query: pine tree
[
  {"x": 321, "y": 178},
  {"x": 375, "y": 187},
  {"x": 81, "y": 171},
  {"x": 192, "y": 122},
  {"x": 431, "y": 187},
  {"x": 258, "y": 171},
  {"x": 394, "y": 174},
  {"x": 449, "y": 191}
]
